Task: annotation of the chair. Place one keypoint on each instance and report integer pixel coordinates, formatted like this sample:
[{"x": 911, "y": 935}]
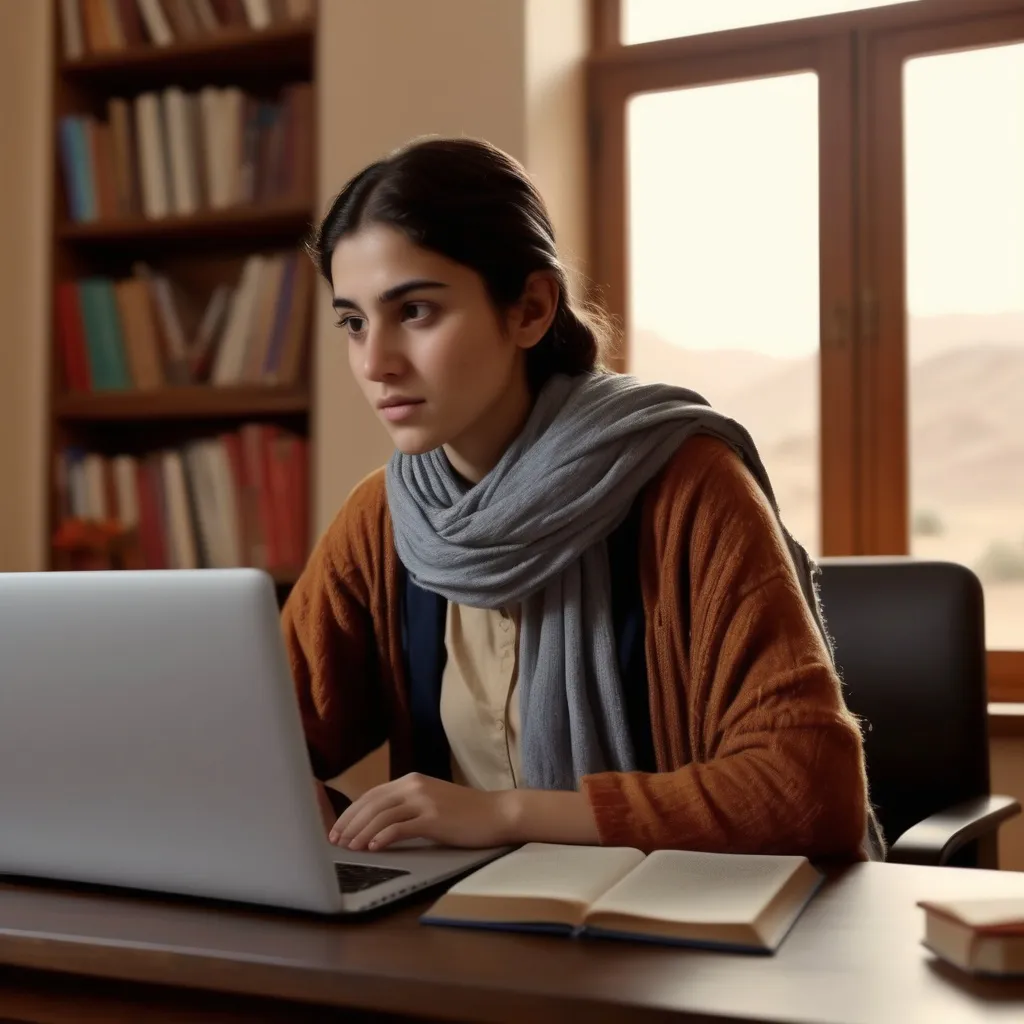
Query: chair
[{"x": 910, "y": 647}]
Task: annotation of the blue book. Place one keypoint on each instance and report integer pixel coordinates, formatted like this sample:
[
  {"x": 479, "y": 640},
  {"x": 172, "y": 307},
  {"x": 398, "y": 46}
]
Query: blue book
[
  {"x": 74, "y": 184},
  {"x": 744, "y": 903},
  {"x": 82, "y": 158}
]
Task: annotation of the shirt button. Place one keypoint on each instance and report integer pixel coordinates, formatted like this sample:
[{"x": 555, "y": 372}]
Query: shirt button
[{"x": 500, "y": 725}]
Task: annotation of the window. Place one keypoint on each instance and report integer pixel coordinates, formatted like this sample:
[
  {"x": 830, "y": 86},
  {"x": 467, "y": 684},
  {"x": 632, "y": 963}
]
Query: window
[
  {"x": 819, "y": 225},
  {"x": 723, "y": 263},
  {"x": 964, "y": 196}
]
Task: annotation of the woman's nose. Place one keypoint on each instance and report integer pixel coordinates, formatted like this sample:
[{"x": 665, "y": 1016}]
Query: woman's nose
[{"x": 381, "y": 358}]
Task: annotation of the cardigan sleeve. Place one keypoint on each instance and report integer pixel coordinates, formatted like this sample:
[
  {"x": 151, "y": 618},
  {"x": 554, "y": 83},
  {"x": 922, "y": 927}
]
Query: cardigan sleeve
[
  {"x": 329, "y": 636},
  {"x": 767, "y": 758}
]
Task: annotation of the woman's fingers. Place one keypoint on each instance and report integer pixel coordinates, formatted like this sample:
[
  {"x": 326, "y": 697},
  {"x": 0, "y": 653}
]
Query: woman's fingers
[
  {"x": 403, "y": 814},
  {"x": 411, "y": 828},
  {"x": 363, "y": 811}
]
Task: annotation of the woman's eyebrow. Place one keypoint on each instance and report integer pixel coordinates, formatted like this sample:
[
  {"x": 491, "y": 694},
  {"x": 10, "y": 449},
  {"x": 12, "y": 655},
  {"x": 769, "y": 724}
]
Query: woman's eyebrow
[{"x": 392, "y": 294}]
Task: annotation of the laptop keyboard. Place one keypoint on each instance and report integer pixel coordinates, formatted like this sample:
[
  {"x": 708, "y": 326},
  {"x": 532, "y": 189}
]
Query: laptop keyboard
[{"x": 358, "y": 877}]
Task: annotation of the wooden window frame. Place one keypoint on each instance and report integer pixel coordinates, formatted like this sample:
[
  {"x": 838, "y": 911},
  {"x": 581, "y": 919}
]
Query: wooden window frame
[{"x": 858, "y": 57}]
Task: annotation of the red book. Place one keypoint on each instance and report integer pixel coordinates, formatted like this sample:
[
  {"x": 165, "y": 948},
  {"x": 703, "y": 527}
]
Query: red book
[
  {"x": 256, "y": 474},
  {"x": 71, "y": 331},
  {"x": 246, "y": 501},
  {"x": 300, "y": 478},
  {"x": 152, "y": 536},
  {"x": 275, "y": 474}
]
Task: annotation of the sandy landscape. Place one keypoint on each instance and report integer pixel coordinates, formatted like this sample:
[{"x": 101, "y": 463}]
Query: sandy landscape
[{"x": 967, "y": 440}]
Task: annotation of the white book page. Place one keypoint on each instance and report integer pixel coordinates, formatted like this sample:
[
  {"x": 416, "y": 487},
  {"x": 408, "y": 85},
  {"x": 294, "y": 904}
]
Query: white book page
[
  {"x": 699, "y": 888},
  {"x": 577, "y": 874}
]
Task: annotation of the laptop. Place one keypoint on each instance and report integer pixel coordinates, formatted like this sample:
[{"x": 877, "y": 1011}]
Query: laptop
[{"x": 150, "y": 738}]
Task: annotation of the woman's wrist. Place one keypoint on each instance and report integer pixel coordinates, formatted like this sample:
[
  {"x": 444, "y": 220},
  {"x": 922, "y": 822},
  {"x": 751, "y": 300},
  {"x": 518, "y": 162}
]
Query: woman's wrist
[{"x": 547, "y": 816}]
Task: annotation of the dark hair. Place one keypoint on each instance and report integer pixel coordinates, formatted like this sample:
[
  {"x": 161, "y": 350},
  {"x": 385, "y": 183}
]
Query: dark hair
[{"x": 476, "y": 205}]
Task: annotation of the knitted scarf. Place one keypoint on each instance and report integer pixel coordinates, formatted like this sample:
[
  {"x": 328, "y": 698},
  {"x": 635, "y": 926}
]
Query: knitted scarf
[{"x": 533, "y": 533}]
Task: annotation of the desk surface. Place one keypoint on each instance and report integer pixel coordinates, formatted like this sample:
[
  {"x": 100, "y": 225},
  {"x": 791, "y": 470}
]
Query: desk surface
[{"x": 854, "y": 956}]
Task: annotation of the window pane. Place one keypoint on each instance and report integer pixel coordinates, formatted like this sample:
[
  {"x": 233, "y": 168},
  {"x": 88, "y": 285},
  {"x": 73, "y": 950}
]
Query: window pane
[
  {"x": 644, "y": 20},
  {"x": 723, "y": 264},
  {"x": 965, "y": 300}
]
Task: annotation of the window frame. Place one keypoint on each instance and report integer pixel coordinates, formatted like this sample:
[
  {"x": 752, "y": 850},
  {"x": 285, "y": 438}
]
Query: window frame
[{"x": 858, "y": 57}]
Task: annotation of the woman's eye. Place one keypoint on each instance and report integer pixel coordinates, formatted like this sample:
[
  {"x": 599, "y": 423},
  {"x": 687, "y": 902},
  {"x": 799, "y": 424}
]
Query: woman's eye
[
  {"x": 416, "y": 310},
  {"x": 355, "y": 325}
]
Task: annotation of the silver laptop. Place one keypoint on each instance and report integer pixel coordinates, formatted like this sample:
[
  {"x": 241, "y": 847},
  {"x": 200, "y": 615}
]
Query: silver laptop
[{"x": 150, "y": 738}]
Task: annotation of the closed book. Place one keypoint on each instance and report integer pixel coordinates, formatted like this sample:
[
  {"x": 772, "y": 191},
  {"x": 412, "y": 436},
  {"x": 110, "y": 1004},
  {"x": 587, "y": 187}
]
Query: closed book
[
  {"x": 157, "y": 197},
  {"x": 132, "y": 25},
  {"x": 257, "y": 13},
  {"x": 72, "y": 34},
  {"x": 738, "y": 902},
  {"x": 983, "y": 936},
  {"x": 158, "y": 29}
]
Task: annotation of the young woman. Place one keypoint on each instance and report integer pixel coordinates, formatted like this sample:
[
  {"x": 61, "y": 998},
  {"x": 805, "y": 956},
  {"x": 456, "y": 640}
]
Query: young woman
[{"x": 568, "y": 601}]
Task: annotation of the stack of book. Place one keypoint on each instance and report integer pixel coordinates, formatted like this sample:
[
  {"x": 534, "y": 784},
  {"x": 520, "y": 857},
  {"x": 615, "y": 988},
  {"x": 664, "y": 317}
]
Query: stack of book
[
  {"x": 144, "y": 332},
  {"x": 177, "y": 153},
  {"x": 239, "y": 498},
  {"x": 106, "y": 26}
]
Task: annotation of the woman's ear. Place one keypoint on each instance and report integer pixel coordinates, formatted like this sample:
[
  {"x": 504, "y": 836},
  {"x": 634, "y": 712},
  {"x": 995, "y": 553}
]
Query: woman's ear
[{"x": 530, "y": 318}]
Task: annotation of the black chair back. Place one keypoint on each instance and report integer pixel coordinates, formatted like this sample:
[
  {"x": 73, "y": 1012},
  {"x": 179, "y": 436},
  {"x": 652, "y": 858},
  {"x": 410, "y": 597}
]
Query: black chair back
[{"x": 909, "y": 643}]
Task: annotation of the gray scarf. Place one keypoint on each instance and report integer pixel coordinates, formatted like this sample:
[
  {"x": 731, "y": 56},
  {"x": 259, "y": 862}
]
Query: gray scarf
[{"x": 533, "y": 532}]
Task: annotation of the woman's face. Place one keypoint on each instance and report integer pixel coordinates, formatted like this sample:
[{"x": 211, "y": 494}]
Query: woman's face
[{"x": 430, "y": 352}]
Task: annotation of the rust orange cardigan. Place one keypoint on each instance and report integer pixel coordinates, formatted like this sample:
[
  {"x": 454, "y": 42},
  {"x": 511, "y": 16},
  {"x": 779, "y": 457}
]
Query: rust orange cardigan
[{"x": 755, "y": 749}]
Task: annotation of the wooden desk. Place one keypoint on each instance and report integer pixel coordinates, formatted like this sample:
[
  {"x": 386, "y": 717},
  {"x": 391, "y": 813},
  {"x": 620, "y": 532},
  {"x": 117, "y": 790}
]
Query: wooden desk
[{"x": 854, "y": 956}]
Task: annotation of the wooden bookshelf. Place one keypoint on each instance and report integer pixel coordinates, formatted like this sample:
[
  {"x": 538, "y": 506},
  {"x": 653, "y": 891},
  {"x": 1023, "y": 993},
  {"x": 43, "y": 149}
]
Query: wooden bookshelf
[
  {"x": 194, "y": 255},
  {"x": 240, "y": 224},
  {"x": 198, "y": 402},
  {"x": 231, "y": 51}
]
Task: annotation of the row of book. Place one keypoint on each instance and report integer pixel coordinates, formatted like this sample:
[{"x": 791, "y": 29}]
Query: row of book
[
  {"x": 146, "y": 331},
  {"x": 106, "y": 26},
  {"x": 177, "y": 153},
  {"x": 239, "y": 498}
]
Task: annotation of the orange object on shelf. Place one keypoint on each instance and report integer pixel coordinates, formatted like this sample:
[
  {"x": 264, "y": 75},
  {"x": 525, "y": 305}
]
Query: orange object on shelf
[{"x": 95, "y": 544}]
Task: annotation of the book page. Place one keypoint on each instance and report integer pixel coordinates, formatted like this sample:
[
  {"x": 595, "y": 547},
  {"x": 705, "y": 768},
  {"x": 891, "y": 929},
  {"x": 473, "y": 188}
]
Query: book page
[
  {"x": 700, "y": 888},
  {"x": 576, "y": 874}
]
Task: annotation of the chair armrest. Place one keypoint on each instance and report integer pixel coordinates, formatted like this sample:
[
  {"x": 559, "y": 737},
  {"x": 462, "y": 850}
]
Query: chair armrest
[{"x": 938, "y": 837}]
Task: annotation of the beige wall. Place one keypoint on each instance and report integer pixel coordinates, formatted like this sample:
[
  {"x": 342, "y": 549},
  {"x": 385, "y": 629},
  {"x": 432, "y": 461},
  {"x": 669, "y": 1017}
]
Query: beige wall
[
  {"x": 557, "y": 39},
  {"x": 24, "y": 231}
]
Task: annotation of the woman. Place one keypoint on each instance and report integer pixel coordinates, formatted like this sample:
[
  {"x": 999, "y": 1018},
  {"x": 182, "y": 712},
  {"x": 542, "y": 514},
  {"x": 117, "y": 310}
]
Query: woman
[{"x": 568, "y": 601}]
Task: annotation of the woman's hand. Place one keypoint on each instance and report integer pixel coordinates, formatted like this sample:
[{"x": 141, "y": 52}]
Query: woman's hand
[{"x": 420, "y": 807}]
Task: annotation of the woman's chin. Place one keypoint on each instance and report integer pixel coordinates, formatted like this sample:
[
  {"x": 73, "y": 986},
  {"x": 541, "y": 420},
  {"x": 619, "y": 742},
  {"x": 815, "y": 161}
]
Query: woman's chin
[{"x": 410, "y": 441}]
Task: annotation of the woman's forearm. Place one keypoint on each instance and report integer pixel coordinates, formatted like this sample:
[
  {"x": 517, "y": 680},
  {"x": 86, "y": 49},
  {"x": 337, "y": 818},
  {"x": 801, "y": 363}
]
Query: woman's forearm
[{"x": 548, "y": 816}]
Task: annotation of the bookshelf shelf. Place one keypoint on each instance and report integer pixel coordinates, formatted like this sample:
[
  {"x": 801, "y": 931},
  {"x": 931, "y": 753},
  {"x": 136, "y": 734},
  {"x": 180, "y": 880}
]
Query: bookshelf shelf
[
  {"x": 238, "y": 223},
  {"x": 201, "y": 402},
  {"x": 230, "y": 51}
]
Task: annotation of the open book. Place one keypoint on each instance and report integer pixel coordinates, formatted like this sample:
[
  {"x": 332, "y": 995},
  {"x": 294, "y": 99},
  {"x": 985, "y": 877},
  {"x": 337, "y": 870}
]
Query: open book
[{"x": 732, "y": 901}]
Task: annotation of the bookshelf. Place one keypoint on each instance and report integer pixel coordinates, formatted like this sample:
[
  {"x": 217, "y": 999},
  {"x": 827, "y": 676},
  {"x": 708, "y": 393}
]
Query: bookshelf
[{"x": 180, "y": 403}]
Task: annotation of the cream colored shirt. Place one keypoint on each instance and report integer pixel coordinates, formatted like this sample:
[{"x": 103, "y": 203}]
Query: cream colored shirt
[{"x": 479, "y": 699}]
